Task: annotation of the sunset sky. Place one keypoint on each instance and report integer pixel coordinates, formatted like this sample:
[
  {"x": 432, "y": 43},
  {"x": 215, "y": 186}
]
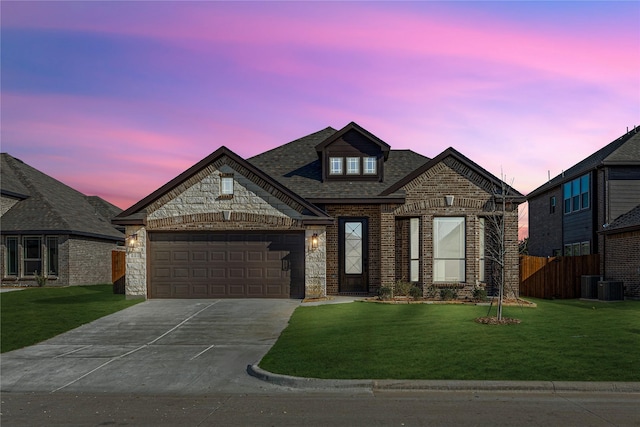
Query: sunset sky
[{"x": 116, "y": 98}]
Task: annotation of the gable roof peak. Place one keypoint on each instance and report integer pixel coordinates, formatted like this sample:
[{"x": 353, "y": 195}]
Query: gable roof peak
[{"x": 353, "y": 126}]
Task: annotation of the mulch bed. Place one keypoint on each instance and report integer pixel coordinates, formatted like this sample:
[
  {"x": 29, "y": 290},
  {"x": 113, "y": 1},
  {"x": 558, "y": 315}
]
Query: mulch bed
[{"x": 490, "y": 320}]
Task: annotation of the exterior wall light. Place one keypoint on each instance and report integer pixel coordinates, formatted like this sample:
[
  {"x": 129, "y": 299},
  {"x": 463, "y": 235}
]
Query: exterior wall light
[
  {"x": 132, "y": 239},
  {"x": 314, "y": 241}
]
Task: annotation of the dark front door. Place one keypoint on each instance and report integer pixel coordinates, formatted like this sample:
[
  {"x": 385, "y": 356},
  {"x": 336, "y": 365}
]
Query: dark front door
[{"x": 353, "y": 253}]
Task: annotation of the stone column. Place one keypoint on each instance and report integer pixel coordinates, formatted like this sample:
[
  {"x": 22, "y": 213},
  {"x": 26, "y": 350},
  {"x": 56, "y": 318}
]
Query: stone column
[
  {"x": 136, "y": 263},
  {"x": 387, "y": 246},
  {"x": 315, "y": 263}
]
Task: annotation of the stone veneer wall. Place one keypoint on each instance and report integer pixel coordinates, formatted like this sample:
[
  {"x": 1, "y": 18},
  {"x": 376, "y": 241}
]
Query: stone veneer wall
[
  {"x": 315, "y": 265},
  {"x": 136, "y": 263},
  {"x": 197, "y": 204}
]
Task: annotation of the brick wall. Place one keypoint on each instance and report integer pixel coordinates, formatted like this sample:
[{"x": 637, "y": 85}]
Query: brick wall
[
  {"x": 89, "y": 261},
  {"x": 622, "y": 261}
]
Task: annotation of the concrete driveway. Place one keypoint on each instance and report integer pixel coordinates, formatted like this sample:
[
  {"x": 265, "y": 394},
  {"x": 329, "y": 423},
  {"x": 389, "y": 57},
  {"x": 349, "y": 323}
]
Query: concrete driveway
[{"x": 156, "y": 347}]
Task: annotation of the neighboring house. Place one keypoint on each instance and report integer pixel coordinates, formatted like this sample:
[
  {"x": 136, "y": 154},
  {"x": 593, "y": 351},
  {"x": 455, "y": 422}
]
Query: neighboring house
[
  {"x": 334, "y": 212},
  {"x": 568, "y": 213},
  {"x": 622, "y": 252},
  {"x": 52, "y": 230}
]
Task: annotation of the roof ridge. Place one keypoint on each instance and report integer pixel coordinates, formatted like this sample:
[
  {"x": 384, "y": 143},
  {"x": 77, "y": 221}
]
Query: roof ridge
[
  {"x": 34, "y": 189},
  {"x": 279, "y": 147}
]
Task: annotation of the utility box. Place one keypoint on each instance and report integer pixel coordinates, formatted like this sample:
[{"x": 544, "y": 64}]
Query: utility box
[
  {"x": 610, "y": 291},
  {"x": 589, "y": 288}
]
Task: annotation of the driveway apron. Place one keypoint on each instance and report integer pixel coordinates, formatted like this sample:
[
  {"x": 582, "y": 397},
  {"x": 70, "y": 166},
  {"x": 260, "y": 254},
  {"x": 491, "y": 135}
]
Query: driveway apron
[{"x": 155, "y": 347}]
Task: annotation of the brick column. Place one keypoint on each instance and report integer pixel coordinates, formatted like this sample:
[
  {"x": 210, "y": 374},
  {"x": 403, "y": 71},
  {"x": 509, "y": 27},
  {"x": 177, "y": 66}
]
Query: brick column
[{"x": 387, "y": 246}]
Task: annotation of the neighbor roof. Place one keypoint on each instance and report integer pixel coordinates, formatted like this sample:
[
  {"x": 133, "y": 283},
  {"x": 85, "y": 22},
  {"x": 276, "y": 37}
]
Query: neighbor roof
[
  {"x": 297, "y": 166},
  {"x": 46, "y": 205},
  {"x": 623, "y": 151},
  {"x": 626, "y": 222}
]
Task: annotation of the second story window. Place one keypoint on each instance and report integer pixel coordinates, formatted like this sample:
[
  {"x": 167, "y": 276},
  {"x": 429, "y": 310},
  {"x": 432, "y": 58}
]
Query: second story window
[
  {"x": 335, "y": 165},
  {"x": 353, "y": 165},
  {"x": 576, "y": 194},
  {"x": 226, "y": 185},
  {"x": 552, "y": 204},
  {"x": 370, "y": 165}
]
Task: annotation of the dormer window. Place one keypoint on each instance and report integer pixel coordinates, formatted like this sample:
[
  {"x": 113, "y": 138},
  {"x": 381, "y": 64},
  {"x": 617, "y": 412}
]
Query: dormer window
[
  {"x": 335, "y": 164},
  {"x": 370, "y": 165},
  {"x": 353, "y": 165}
]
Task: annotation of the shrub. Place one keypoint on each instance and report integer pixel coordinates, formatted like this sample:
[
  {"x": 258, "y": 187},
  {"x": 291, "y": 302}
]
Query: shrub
[
  {"x": 385, "y": 293},
  {"x": 41, "y": 280},
  {"x": 479, "y": 293},
  {"x": 415, "y": 292},
  {"x": 403, "y": 287},
  {"x": 432, "y": 291},
  {"x": 448, "y": 294}
]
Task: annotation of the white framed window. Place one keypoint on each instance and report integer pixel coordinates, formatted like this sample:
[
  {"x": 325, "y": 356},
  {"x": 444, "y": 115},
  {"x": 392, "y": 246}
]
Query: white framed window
[
  {"x": 576, "y": 194},
  {"x": 353, "y": 165},
  {"x": 370, "y": 165},
  {"x": 226, "y": 185},
  {"x": 482, "y": 266},
  {"x": 449, "y": 249},
  {"x": 335, "y": 165},
  {"x": 414, "y": 249}
]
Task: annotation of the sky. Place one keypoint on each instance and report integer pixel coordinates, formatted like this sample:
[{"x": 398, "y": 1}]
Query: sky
[{"x": 116, "y": 98}]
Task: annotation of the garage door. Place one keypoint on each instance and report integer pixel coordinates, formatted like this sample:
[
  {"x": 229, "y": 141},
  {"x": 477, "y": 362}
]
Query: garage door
[{"x": 226, "y": 265}]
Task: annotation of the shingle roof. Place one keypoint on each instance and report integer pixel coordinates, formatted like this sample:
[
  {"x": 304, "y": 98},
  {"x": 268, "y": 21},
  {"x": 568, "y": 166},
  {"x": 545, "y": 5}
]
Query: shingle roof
[
  {"x": 297, "y": 166},
  {"x": 625, "y": 222},
  {"x": 623, "y": 151},
  {"x": 48, "y": 205}
]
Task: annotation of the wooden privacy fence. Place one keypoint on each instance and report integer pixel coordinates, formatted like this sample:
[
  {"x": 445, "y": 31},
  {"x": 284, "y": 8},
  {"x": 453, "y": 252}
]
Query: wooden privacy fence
[
  {"x": 118, "y": 270},
  {"x": 555, "y": 277}
]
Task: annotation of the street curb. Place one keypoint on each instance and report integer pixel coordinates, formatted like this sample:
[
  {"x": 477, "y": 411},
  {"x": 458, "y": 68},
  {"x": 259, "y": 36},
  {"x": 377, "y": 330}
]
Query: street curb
[{"x": 443, "y": 385}]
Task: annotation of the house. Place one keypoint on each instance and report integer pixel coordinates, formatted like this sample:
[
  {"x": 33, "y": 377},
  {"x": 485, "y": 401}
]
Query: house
[
  {"x": 51, "y": 230},
  {"x": 335, "y": 212},
  {"x": 570, "y": 214},
  {"x": 622, "y": 252}
]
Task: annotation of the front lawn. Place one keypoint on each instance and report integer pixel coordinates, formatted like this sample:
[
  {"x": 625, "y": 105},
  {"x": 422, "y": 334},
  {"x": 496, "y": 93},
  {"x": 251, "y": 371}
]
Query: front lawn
[
  {"x": 560, "y": 340},
  {"x": 33, "y": 315}
]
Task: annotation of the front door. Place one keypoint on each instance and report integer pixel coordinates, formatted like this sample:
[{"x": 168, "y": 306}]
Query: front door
[{"x": 353, "y": 252}]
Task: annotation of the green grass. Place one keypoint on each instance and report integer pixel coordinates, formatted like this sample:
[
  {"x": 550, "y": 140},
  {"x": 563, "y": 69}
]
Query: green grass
[
  {"x": 560, "y": 340},
  {"x": 33, "y": 315}
]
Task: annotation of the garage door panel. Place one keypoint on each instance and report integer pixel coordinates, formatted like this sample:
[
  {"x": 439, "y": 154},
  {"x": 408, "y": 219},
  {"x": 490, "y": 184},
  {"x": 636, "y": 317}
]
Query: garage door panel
[{"x": 226, "y": 265}]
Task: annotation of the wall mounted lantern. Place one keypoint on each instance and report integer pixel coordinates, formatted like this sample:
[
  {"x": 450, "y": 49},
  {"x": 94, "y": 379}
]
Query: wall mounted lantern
[
  {"x": 132, "y": 239},
  {"x": 314, "y": 241}
]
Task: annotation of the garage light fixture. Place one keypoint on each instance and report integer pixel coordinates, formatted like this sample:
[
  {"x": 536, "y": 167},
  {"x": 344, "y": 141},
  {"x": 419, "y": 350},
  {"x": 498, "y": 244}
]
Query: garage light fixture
[
  {"x": 314, "y": 241},
  {"x": 132, "y": 239}
]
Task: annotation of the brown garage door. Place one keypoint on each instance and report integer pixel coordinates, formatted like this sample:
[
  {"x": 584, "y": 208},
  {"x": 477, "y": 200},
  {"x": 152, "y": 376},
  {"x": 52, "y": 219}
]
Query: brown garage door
[{"x": 226, "y": 265}]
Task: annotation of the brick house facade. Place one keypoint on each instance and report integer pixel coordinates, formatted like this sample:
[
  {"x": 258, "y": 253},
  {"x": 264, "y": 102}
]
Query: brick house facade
[
  {"x": 335, "y": 212},
  {"x": 52, "y": 230},
  {"x": 569, "y": 215}
]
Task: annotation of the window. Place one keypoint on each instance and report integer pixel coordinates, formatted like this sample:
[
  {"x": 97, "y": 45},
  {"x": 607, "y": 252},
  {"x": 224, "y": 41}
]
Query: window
[
  {"x": 353, "y": 248},
  {"x": 12, "y": 256},
  {"x": 32, "y": 259},
  {"x": 481, "y": 267},
  {"x": 567, "y": 250},
  {"x": 448, "y": 249},
  {"x": 370, "y": 164},
  {"x": 577, "y": 249},
  {"x": 52, "y": 256},
  {"x": 414, "y": 249},
  {"x": 353, "y": 165},
  {"x": 335, "y": 165},
  {"x": 552, "y": 204},
  {"x": 576, "y": 194},
  {"x": 226, "y": 185},
  {"x": 585, "y": 248}
]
